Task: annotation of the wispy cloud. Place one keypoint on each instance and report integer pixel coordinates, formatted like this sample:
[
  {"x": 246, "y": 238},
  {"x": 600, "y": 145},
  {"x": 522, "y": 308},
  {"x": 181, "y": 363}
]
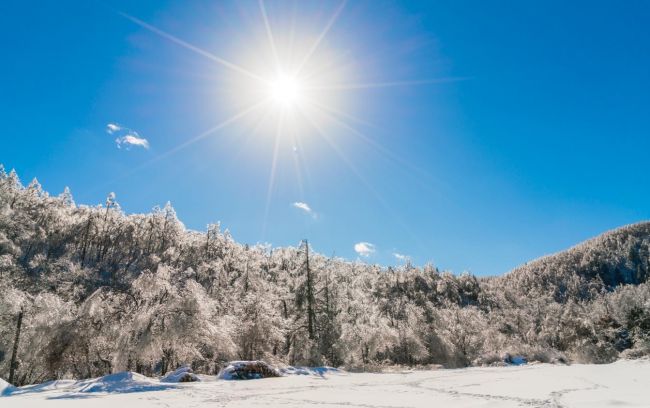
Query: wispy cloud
[
  {"x": 112, "y": 128},
  {"x": 401, "y": 257},
  {"x": 131, "y": 140},
  {"x": 305, "y": 207},
  {"x": 127, "y": 138},
  {"x": 364, "y": 248}
]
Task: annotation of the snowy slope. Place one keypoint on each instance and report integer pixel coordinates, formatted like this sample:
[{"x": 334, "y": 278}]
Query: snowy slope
[
  {"x": 5, "y": 387},
  {"x": 621, "y": 384}
]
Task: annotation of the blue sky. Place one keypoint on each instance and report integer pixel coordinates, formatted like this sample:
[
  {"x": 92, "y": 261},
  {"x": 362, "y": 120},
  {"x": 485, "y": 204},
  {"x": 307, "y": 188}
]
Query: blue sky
[{"x": 503, "y": 131}]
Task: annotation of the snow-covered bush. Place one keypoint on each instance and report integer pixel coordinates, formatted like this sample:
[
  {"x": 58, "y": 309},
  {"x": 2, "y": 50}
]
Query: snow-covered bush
[
  {"x": 248, "y": 370},
  {"x": 180, "y": 375}
]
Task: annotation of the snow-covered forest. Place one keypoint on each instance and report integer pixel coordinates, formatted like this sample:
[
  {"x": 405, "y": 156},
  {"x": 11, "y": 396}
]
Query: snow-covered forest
[{"x": 88, "y": 291}]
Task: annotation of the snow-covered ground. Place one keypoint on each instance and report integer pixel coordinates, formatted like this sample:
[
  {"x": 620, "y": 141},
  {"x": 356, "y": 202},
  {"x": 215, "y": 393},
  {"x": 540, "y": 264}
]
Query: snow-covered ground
[{"x": 621, "y": 384}]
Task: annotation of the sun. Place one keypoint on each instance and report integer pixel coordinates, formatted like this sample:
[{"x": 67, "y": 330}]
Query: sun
[
  {"x": 287, "y": 83},
  {"x": 285, "y": 91}
]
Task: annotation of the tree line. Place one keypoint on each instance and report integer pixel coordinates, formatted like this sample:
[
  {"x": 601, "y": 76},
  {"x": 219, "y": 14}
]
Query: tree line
[{"x": 90, "y": 290}]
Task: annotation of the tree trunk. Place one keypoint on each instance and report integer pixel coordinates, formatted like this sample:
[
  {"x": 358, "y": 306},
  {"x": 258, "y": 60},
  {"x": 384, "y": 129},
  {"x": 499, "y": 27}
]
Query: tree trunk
[
  {"x": 13, "y": 366},
  {"x": 310, "y": 296}
]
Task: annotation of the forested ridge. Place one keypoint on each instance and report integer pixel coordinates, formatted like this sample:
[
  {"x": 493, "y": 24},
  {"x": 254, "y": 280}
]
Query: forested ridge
[{"x": 96, "y": 291}]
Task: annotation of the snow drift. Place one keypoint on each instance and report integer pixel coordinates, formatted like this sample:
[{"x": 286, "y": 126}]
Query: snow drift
[
  {"x": 5, "y": 387},
  {"x": 317, "y": 371},
  {"x": 126, "y": 381}
]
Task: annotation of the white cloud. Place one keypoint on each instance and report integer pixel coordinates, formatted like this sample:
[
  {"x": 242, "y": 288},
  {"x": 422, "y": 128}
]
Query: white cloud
[
  {"x": 400, "y": 257},
  {"x": 306, "y": 208},
  {"x": 131, "y": 140},
  {"x": 303, "y": 206},
  {"x": 112, "y": 128},
  {"x": 364, "y": 248},
  {"x": 126, "y": 138}
]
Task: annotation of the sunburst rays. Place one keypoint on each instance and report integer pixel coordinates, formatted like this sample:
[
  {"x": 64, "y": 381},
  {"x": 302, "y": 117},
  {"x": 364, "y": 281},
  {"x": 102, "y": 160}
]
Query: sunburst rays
[
  {"x": 192, "y": 48},
  {"x": 320, "y": 37},
  {"x": 288, "y": 58}
]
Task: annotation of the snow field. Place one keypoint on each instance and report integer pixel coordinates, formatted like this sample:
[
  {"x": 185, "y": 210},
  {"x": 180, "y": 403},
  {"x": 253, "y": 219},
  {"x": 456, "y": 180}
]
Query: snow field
[{"x": 621, "y": 384}]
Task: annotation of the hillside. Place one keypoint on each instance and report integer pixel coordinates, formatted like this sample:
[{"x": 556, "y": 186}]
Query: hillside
[
  {"x": 102, "y": 291},
  {"x": 617, "y": 257}
]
